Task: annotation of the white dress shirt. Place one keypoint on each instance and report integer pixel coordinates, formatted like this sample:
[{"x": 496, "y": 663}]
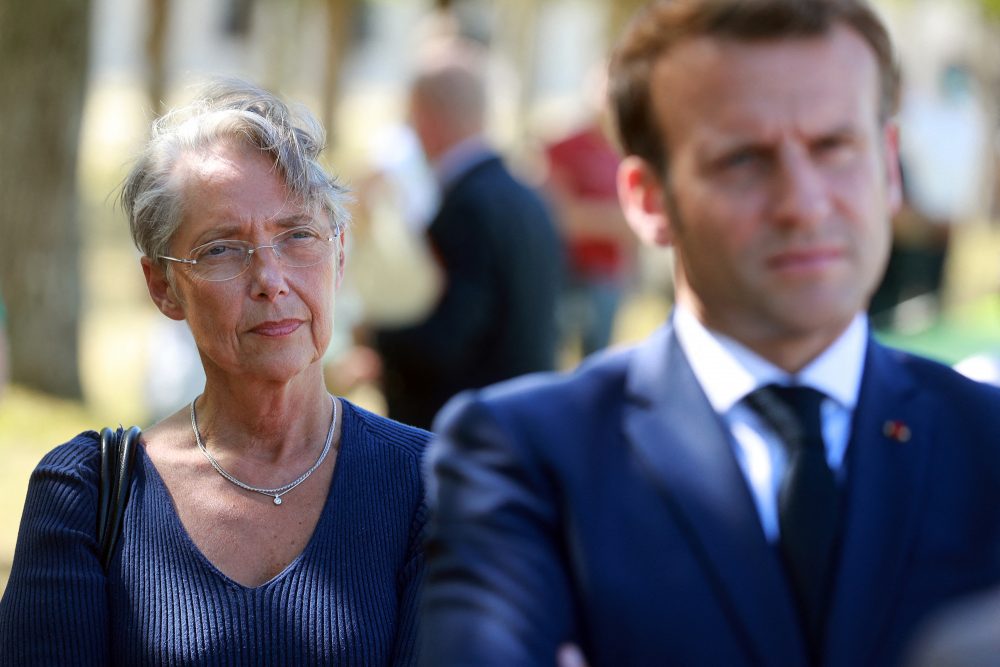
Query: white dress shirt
[{"x": 727, "y": 372}]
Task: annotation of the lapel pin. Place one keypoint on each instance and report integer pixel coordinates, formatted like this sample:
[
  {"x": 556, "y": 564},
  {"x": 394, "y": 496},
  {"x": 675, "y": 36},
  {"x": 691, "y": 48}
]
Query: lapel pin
[{"x": 896, "y": 430}]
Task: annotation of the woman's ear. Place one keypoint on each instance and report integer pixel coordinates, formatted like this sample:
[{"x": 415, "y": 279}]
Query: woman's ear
[
  {"x": 341, "y": 257},
  {"x": 643, "y": 201},
  {"x": 160, "y": 290}
]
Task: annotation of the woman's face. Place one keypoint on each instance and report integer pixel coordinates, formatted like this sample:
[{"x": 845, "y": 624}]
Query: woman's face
[{"x": 271, "y": 322}]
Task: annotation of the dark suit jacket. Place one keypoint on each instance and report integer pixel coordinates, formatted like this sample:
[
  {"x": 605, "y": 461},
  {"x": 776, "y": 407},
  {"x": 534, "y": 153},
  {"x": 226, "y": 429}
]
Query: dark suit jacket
[
  {"x": 501, "y": 257},
  {"x": 607, "y": 507}
]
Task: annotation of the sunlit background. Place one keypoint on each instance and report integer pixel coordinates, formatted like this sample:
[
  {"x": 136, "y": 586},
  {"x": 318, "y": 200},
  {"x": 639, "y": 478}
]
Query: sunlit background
[{"x": 80, "y": 82}]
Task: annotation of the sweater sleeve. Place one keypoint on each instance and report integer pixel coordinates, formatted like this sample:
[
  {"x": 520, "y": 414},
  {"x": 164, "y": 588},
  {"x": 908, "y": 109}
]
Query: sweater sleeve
[
  {"x": 411, "y": 580},
  {"x": 54, "y": 610}
]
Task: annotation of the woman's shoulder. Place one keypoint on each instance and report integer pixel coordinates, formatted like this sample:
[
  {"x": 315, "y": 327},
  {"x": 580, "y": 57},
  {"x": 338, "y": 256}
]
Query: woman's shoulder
[
  {"x": 80, "y": 455},
  {"x": 386, "y": 432}
]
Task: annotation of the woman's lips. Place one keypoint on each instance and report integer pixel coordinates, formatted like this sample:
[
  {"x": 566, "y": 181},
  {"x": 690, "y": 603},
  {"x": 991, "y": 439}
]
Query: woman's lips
[{"x": 277, "y": 328}]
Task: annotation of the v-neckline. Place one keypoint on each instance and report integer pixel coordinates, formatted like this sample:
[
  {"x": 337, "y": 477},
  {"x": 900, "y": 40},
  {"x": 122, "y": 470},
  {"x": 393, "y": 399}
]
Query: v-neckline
[{"x": 178, "y": 525}]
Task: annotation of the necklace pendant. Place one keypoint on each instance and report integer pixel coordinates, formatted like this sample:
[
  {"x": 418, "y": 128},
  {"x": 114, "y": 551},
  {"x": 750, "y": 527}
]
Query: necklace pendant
[{"x": 277, "y": 500}]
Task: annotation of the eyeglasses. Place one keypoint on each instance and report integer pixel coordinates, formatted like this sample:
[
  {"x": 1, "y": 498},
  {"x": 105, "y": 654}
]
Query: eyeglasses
[{"x": 226, "y": 259}]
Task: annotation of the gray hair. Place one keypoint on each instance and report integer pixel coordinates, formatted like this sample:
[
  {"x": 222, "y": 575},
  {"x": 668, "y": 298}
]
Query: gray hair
[{"x": 226, "y": 110}]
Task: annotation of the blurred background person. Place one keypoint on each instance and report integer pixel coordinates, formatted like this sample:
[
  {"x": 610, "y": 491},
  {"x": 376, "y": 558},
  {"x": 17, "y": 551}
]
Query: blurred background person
[
  {"x": 946, "y": 154},
  {"x": 496, "y": 245},
  {"x": 394, "y": 279},
  {"x": 599, "y": 246},
  {"x": 269, "y": 522}
]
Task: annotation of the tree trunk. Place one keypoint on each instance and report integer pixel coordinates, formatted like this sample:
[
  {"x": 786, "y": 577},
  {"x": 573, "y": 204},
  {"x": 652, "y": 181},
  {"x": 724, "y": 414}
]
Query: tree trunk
[
  {"x": 340, "y": 17},
  {"x": 43, "y": 68},
  {"x": 621, "y": 13},
  {"x": 156, "y": 54}
]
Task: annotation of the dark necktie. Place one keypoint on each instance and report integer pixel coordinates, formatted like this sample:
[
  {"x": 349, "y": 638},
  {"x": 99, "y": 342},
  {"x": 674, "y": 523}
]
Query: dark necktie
[{"x": 807, "y": 500}]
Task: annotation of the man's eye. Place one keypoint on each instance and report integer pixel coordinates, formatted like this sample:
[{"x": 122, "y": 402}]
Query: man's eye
[
  {"x": 743, "y": 159},
  {"x": 833, "y": 146}
]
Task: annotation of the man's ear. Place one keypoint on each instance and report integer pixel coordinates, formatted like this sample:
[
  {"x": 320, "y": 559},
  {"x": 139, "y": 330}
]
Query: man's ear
[
  {"x": 160, "y": 290},
  {"x": 643, "y": 201},
  {"x": 894, "y": 179}
]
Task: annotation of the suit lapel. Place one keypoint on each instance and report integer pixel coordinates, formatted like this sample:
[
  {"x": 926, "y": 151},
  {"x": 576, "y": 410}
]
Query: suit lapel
[
  {"x": 885, "y": 478},
  {"x": 686, "y": 450}
]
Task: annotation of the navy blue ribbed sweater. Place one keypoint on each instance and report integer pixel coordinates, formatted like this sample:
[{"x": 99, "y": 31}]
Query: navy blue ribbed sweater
[{"x": 350, "y": 598}]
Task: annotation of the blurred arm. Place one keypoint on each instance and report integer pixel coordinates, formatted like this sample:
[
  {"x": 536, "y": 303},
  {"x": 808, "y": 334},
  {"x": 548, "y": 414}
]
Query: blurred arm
[
  {"x": 54, "y": 610},
  {"x": 411, "y": 585},
  {"x": 497, "y": 592},
  {"x": 443, "y": 344}
]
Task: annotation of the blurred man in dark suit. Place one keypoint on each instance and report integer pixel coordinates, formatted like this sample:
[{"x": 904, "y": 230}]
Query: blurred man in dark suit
[
  {"x": 497, "y": 247},
  {"x": 759, "y": 482}
]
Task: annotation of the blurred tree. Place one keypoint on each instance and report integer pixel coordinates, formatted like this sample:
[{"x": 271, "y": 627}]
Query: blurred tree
[
  {"x": 156, "y": 54},
  {"x": 991, "y": 7},
  {"x": 43, "y": 73},
  {"x": 621, "y": 12},
  {"x": 340, "y": 20}
]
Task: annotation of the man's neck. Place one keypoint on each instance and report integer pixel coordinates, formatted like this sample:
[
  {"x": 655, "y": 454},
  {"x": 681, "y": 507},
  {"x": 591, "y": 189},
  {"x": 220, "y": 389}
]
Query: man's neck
[{"x": 458, "y": 158}]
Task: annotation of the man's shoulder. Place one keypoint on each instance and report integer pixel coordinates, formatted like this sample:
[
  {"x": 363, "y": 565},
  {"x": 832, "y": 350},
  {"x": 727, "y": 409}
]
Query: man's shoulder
[
  {"x": 598, "y": 382},
  {"x": 934, "y": 376},
  {"x": 488, "y": 180}
]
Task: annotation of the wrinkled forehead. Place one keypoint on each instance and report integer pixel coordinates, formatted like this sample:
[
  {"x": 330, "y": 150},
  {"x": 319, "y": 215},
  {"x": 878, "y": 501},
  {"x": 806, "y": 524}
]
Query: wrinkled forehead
[
  {"x": 810, "y": 80},
  {"x": 227, "y": 185}
]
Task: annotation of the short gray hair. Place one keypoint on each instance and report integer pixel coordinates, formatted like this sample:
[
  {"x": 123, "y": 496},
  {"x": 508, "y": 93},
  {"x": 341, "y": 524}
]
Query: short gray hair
[{"x": 226, "y": 110}]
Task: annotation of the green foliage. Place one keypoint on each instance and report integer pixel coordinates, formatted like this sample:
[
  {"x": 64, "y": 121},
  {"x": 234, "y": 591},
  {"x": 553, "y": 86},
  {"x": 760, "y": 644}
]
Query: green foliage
[{"x": 991, "y": 8}]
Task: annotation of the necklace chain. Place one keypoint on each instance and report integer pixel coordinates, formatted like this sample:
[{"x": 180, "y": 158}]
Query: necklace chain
[{"x": 277, "y": 491}]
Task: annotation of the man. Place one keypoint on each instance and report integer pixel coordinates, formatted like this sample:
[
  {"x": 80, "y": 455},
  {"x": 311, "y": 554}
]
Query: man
[
  {"x": 655, "y": 507},
  {"x": 498, "y": 249}
]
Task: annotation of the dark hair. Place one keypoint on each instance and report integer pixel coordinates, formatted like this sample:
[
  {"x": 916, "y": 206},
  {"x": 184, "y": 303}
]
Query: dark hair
[{"x": 663, "y": 24}]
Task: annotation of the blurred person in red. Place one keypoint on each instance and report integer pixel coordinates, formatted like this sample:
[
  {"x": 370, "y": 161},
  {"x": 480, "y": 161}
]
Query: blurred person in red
[{"x": 600, "y": 248}]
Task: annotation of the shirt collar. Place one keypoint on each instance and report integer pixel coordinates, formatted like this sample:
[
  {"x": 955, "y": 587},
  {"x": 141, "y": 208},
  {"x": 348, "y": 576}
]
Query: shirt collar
[
  {"x": 728, "y": 370},
  {"x": 459, "y": 159}
]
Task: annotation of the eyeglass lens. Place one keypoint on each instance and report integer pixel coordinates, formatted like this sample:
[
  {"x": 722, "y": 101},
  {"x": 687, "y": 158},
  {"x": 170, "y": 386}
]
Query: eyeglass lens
[{"x": 226, "y": 259}]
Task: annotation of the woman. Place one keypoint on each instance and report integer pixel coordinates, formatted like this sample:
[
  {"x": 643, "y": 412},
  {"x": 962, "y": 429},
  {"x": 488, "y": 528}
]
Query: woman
[{"x": 269, "y": 523}]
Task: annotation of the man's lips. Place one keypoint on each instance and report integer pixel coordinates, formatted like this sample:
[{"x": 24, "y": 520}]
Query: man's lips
[
  {"x": 277, "y": 328},
  {"x": 805, "y": 260}
]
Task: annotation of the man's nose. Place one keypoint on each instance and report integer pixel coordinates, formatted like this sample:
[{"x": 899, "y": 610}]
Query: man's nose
[{"x": 803, "y": 198}]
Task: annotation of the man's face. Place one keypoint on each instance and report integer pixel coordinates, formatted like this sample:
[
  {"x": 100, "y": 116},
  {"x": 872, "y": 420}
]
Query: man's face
[{"x": 780, "y": 188}]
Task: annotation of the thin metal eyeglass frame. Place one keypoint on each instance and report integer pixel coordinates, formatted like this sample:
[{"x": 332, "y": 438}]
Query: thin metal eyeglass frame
[{"x": 251, "y": 252}]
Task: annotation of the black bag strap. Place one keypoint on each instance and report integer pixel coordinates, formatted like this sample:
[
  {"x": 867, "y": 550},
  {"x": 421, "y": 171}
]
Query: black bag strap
[{"x": 117, "y": 457}]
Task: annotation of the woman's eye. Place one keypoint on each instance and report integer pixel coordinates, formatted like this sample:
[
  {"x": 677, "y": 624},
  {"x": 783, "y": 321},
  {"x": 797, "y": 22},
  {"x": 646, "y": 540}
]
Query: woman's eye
[{"x": 219, "y": 251}]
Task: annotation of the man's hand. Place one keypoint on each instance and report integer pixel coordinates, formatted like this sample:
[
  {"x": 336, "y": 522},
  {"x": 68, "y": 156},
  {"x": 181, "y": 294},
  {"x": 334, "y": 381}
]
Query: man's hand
[{"x": 570, "y": 655}]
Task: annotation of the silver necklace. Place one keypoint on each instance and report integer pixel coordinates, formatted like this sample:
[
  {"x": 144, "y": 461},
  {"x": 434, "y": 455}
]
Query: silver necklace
[{"x": 277, "y": 491}]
